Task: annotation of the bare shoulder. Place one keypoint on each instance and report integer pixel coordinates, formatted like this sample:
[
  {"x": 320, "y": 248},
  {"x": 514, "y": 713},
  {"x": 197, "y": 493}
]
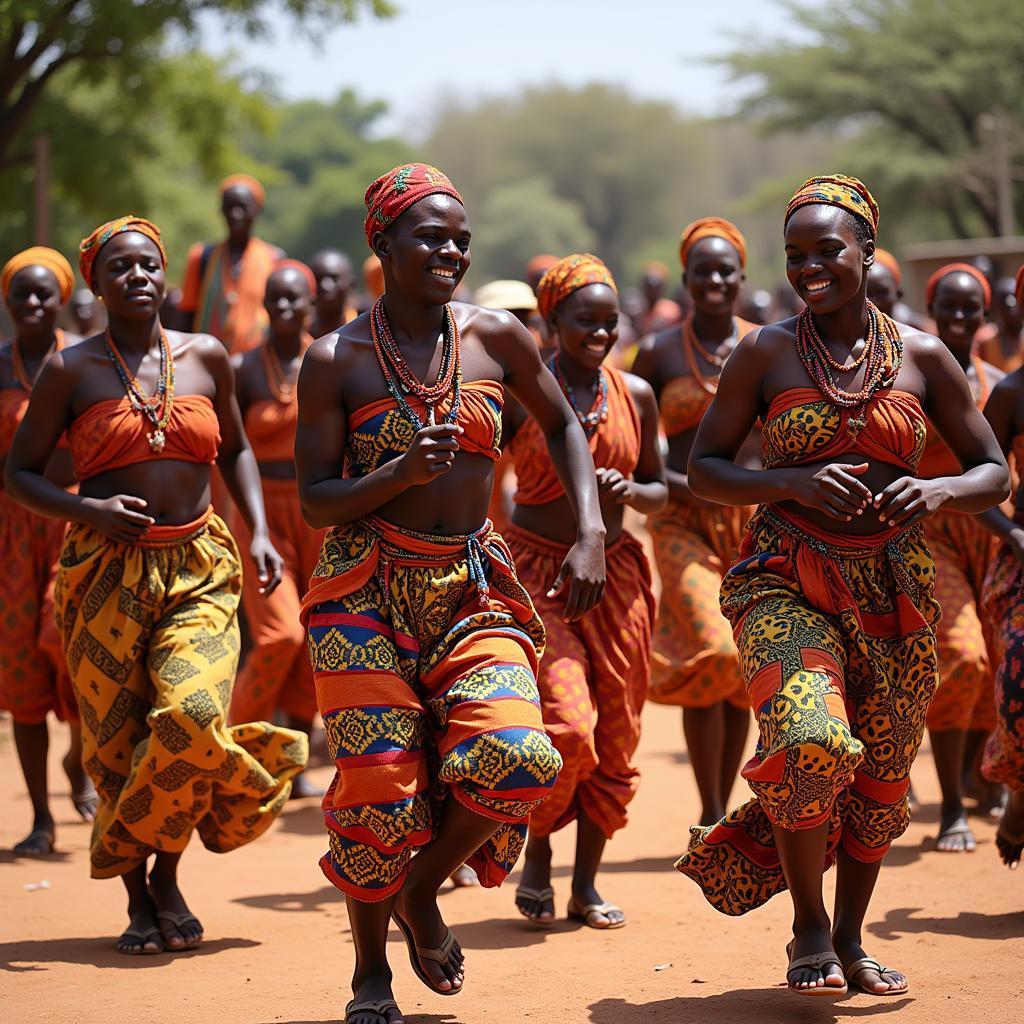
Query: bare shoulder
[
  {"x": 639, "y": 390},
  {"x": 921, "y": 345},
  {"x": 489, "y": 325},
  {"x": 75, "y": 357},
  {"x": 660, "y": 341},
  {"x": 342, "y": 348}
]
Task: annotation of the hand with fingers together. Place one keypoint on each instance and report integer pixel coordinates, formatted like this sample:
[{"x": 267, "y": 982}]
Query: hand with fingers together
[
  {"x": 832, "y": 488},
  {"x": 908, "y": 500},
  {"x": 583, "y": 571}
]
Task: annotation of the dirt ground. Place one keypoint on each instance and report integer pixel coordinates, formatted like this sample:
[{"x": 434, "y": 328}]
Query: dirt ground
[{"x": 277, "y": 946}]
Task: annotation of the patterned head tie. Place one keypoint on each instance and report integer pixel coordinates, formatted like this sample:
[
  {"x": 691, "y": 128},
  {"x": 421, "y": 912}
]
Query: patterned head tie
[
  {"x": 90, "y": 246},
  {"x": 712, "y": 227},
  {"x": 957, "y": 268},
  {"x": 393, "y": 193},
  {"x": 569, "y": 275},
  {"x": 837, "y": 190},
  {"x": 259, "y": 193},
  {"x": 887, "y": 260},
  {"x": 39, "y": 256}
]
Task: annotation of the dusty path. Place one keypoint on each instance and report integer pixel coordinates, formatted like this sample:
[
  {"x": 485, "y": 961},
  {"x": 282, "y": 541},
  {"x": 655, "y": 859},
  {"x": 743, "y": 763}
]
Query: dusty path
[{"x": 278, "y": 951}]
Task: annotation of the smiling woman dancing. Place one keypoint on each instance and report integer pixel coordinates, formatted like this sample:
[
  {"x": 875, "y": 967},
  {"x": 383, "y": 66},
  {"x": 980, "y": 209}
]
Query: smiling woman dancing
[
  {"x": 831, "y": 598},
  {"x": 424, "y": 643},
  {"x": 148, "y": 585}
]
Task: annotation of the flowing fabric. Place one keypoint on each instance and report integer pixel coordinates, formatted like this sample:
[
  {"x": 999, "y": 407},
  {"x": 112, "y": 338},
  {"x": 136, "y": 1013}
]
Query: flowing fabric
[
  {"x": 151, "y": 638},
  {"x": 592, "y": 681},
  {"x": 425, "y": 652}
]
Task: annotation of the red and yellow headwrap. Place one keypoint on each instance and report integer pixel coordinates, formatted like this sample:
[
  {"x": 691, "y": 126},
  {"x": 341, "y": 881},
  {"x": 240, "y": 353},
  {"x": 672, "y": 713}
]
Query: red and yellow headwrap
[
  {"x": 393, "y": 193},
  {"x": 290, "y": 264},
  {"x": 890, "y": 263},
  {"x": 837, "y": 190},
  {"x": 712, "y": 227},
  {"x": 90, "y": 247},
  {"x": 569, "y": 275},
  {"x": 259, "y": 193},
  {"x": 957, "y": 268},
  {"x": 39, "y": 256}
]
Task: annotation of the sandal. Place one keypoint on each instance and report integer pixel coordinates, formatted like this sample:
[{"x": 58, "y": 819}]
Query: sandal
[
  {"x": 85, "y": 803},
  {"x": 31, "y": 838},
  {"x": 143, "y": 937},
  {"x": 545, "y": 895},
  {"x": 1010, "y": 847},
  {"x": 380, "y": 1007},
  {"x": 818, "y": 962},
  {"x": 419, "y": 953},
  {"x": 180, "y": 920},
  {"x": 958, "y": 828},
  {"x": 595, "y": 910},
  {"x": 866, "y": 963}
]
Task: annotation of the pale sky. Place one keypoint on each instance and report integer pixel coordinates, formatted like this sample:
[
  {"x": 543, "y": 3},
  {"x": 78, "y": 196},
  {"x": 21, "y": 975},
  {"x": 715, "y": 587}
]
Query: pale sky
[{"x": 472, "y": 48}]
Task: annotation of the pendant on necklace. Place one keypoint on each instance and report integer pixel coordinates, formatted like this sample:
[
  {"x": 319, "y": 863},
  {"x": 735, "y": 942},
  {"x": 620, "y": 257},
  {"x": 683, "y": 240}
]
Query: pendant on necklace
[
  {"x": 157, "y": 440},
  {"x": 854, "y": 425}
]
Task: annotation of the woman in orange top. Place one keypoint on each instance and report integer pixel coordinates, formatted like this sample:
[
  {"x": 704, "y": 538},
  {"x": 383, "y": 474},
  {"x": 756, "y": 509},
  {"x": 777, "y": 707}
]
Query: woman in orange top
[
  {"x": 276, "y": 675},
  {"x": 831, "y": 597},
  {"x": 593, "y": 676},
  {"x": 1001, "y": 342},
  {"x": 962, "y": 714},
  {"x": 147, "y": 590},
  {"x": 695, "y": 664},
  {"x": 33, "y": 673}
]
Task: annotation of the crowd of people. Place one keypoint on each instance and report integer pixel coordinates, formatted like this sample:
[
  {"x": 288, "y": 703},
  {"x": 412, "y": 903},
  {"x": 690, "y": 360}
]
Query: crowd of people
[{"x": 443, "y": 503}]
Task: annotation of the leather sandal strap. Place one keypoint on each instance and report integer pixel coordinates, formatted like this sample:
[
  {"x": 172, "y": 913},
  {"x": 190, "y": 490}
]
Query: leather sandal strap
[
  {"x": 439, "y": 955},
  {"x": 817, "y": 961}
]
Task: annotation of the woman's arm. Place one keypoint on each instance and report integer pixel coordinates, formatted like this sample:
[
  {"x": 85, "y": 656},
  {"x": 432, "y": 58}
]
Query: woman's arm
[
  {"x": 985, "y": 480},
  {"x": 999, "y": 411},
  {"x": 646, "y": 491},
  {"x": 538, "y": 392},
  {"x": 326, "y": 497},
  {"x": 237, "y": 463}
]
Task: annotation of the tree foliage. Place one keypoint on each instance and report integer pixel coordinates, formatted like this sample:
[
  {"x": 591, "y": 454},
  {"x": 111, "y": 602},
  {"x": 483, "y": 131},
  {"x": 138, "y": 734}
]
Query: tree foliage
[{"x": 914, "y": 89}]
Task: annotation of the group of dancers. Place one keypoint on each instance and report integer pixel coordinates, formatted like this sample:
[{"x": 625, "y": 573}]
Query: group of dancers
[{"x": 823, "y": 494}]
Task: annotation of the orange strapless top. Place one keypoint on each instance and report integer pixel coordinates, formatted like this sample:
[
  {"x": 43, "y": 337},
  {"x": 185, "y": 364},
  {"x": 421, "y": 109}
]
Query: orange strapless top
[
  {"x": 13, "y": 403},
  {"x": 380, "y": 431},
  {"x": 938, "y": 460},
  {"x": 684, "y": 400},
  {"x": 110, "y": 435},
  {"x": 802, "y": 425},
  {"x": 270, "y": 426},
  {"x": 615, "y": 445}
]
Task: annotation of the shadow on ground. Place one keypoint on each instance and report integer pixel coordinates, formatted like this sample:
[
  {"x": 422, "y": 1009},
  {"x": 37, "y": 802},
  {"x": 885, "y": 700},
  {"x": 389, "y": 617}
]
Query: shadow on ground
[
  {"x": 968, "y": 924},
  {"x": 772, "y": 1007},
  {"x": 35, "y": 954}
]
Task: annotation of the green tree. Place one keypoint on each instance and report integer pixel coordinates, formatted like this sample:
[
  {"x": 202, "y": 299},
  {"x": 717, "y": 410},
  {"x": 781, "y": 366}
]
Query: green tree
[{"x": 924, "y": 96}]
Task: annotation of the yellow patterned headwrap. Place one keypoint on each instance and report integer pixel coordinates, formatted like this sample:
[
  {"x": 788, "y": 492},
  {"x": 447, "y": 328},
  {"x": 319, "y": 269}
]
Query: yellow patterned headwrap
[
  {"x": 712, "y": 227},
  {"x": 39, "y": 256},
  {"x": 837, "y": 190},
  {"x": 569, "y": 275},
  {"x": 90, "y": 247}
]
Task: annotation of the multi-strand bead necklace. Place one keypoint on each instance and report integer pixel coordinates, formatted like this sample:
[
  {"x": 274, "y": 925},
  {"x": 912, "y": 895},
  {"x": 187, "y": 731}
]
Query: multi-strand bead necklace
[
  {"x": 692, "y": 347},
  {"x": 20, "y": 372},
  {"x": 598, "y": 413},
  {"x": 281, "y": 384},
  {"x": 401, "y": 381},
  {"x": 156, "y": 408},
  {"x": 882, "y": 355}
]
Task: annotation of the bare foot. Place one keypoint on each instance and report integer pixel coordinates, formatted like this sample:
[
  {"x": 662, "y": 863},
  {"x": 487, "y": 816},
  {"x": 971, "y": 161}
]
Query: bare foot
[
  {"x": 807, "y": 943},
  {"x": 463, "y": 877},
  {"x": 1010, "y": 835},
  {"x": 421, "y": 915}
]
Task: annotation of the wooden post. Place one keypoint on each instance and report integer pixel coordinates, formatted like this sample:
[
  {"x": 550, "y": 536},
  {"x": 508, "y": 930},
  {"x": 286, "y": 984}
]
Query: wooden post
[{"x": 42, "y": 189}]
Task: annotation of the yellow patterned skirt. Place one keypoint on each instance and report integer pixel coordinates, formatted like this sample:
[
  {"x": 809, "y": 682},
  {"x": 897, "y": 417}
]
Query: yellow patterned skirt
[
  {"x": 837, "y": 647},
  {"x": 151, "y": 638},
  {"x": 425, "y": 652}
]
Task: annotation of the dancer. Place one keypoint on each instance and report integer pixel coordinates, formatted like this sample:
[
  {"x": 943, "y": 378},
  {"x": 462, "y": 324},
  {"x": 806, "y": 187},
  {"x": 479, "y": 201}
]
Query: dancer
[
  {"x": 424, "y": 644},
  {"x": 831, "y": 598},
  {"x": 962, "y": 713},
  {"x": 148, "y": 585},
  {"x": 1001, "y": 342},
  {"x": 695, "y": 664},
  {"x": 34, "y": 678},
  {"x": 1004, "y": 602},
  {"x": 885, "y": 282},
  {"x": 333, "y": 272},
  {"x": 593, "y": 677},
  {"x": 224, "y": 282},
  {"x": 276, "y": 675}
]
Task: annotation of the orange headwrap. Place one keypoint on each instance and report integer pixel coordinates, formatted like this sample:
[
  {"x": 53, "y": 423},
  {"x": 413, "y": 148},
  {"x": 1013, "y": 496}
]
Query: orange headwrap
[
  {"x": 540, "y": 264},
  {"x": 957, "y": 268},
  {"x": 373, "y": 277},
  {"x": 712, "y": 227},
  {"x": 393, "y": 193},
  {"x": 290, "y": 264},
  {"x": 890, "y": 263},
  {"x": 259, "y": 193},
  {"x": 39, "y": 256},
  {"x": 655, "y": 268},
  {"x": 569, "y": 275},
  {"x": 90, "y": 247},
  {"x": 837, "y": 190}
]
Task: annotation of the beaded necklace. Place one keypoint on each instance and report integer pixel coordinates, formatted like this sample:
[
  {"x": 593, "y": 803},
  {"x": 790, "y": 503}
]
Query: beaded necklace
[
  {"x": 280, "y": 384},
  {"x": 883, "y": 353},
  {"x": 18, "y": 362},
  {"x": 162, "y": 399},
  {"x": 692, "y": 347},
  {"x": 598, "y": 413},
  {"x": 401, "y": 381}
]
